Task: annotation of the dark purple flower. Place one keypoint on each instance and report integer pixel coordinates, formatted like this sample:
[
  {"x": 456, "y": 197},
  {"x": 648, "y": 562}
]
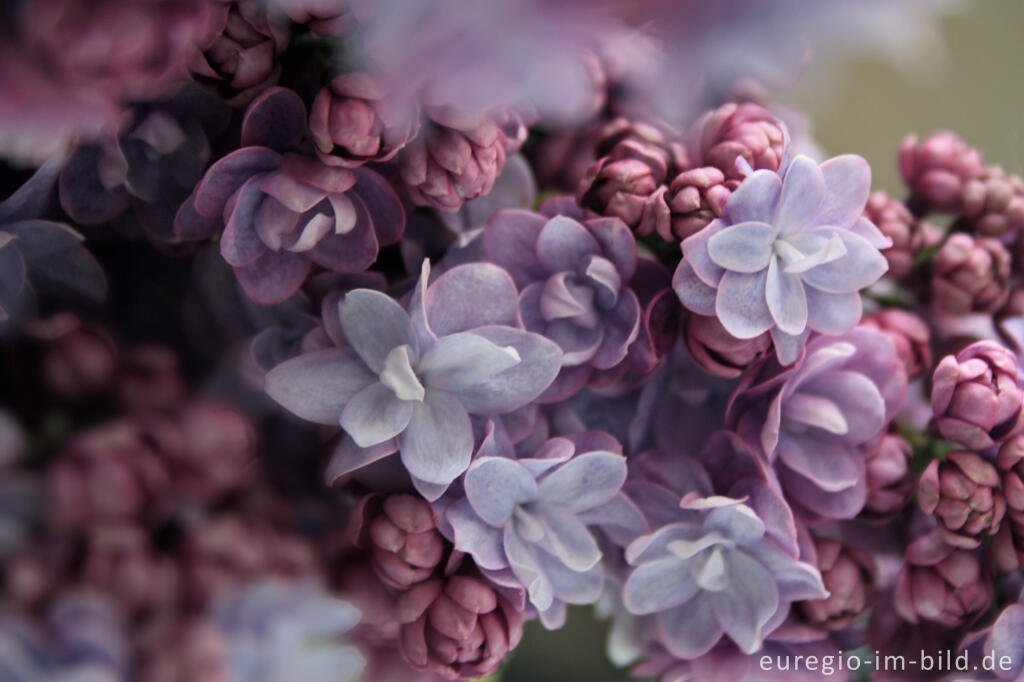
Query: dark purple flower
[
  {"x": 976, "y": 398},
  {"x": 281, "y": 214},
  {"x": 574, "y": 286},
  {"x": 717, "y": 351}
]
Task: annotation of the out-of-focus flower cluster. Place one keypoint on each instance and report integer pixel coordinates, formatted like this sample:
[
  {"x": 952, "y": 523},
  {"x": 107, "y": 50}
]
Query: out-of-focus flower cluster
[{"x": 343, "y": 338}]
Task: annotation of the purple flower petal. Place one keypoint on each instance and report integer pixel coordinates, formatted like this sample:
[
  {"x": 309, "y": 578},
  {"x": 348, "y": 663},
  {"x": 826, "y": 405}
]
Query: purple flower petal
[
  {"x": 574, "y": 587},
  {"x": 495, "y": 486},
  {"x": 273, "y": 277},
  {"x": 847, "y": 185},
  {"x": 464, "y": 360},
  {"x": 585, "y": 481},
  {"x": 567, "y": 538},
  {"x": 831, "y": 466},
  {"x": 317, "y": 386},
  {"x": 746, "y": 605},
  {"x": 509, "y": 240},
  {"x": 862, "y": 265},
  {"x": 347, "y": 457},
  {"x": 438, "y": 443},
  {"x": 744, "y": 247},
  {"x": 755, "y": 199},
  {"x": 382, "y": 204},
  {"x": 832, "y": 313},
  {"x": 374, "y": 323},
  {"x": 617, "y": 244},
  {"x": 803, "y": 190},
  {"x": 375, "y": 415},
  {"x": 229, "y": 173},
  {"x": 478, "y": 539},
  {"x": 275, "y": 119},
  {"x": 564, "y": 243},
  {"x": 525, "y": 565},
  {"x": 741, "y": 306},
  {"x": 787, "y": 303},
  {"x": 470, "y": 296},
  {"x": 690, "y": 629},
  {"x": 692, "y": 291},
  {"x": 190, "y": 225},
  {"x": 352, "y": 252},
  {"x": 695, "y": 252},
  {"x": 240, "y": 244}
]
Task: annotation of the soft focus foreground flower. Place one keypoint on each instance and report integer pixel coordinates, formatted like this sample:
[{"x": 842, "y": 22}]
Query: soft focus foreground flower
[
  {"x": 822, "y": 417},
  {"x": 79, "y": 357},
  {"x": 634, "y": 162},
  {"x": 962, "y": 492},
  {"x": 976, "y": 398},
  {"x": 574, "y": 286},
  {"x": 790, "y": 255},
  {"x": 941, "y": 583},
  {"x": 849, "y": 576},
  {"x": 281, "y": 214},
  {"x": 409, "y": 380},
  {"x": 458, "y": 627},
  {"x": 278, "y": 631},
  {"x": 937, "y": 169},
  {"x": 456, "y": 158},
  {"x": 353, "y": 121},
  {"x": 237, "y": 57},
  {"x": 970, "y": 275},
  {"x": 715, "y": 572},
  {"x": 524, "y": 522}
]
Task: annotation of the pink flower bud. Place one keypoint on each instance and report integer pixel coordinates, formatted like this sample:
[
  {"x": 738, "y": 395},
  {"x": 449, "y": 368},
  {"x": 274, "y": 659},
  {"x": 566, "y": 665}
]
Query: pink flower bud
[
  {"x": 937, "y": 169},
  {"x": 962, "y": 492}
]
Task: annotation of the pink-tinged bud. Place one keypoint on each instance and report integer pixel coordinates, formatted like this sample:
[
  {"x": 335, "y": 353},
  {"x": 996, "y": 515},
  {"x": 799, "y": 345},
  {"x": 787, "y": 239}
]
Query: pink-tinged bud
[
  {"x": 941, "y": 583},
  {"x": 325, "y": 18},
  {"x": 1008, "y": 547},
  {"x": 119, "y": 560},
  {"x": 888, "y": 478},
  {"x": 717, "y": 351},
  {"x": 113, "y": 473},
  {"x": 732, "y": 131},
  {"x": 911, "y": 336},
  {"x": 696, "y": 197},
  {"x": 909, "y": 235},
  {"x": 938, "y": 168},
  {"x": 237, "y": 58},
  {"x": 218, "y": 451},
  {"x": 976, "y": 400},
  {"x": 849, "y": 576},
  {"x": 963, "y": 492},
  {"x": 150, "y": 379},
  {"x": 400, "y": 532},
  {"x": 78, "y": 358},
  {"x": 993, "y": 203},
  {"x": 353, "y": 121},
  {"x": 970, "y": 275},
  {"x": 634, "y": 162},
  {"x": 456, "y": 158},
  {"x": 457, "y": 627}
]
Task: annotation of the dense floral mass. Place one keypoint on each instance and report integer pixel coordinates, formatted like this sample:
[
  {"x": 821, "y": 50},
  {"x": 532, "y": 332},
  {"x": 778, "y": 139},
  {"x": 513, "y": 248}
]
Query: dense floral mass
[{"x": 345, "y": 338}]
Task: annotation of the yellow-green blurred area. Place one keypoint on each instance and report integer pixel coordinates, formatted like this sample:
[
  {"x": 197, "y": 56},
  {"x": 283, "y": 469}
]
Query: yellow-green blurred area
[{"x": 975, "y": 87}]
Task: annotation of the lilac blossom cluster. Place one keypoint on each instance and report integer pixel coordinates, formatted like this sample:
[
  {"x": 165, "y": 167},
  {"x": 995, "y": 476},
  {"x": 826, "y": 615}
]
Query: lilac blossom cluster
[{"x": 343, "y": 343}]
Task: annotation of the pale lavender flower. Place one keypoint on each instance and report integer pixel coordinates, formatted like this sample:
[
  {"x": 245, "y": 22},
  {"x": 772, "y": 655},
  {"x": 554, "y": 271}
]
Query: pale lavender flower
[
  {"x": 824, "y": 412},
  {"x": 283, "y": 213},
  {"x": 524, "y": 521},
  {"x": 790, "y": 256},
  {"x": 716, "y": 571},
  {"x": 277, "y": 631},
  {"x": 574, "y": 277},
  {"x": 1006, "y": 638},
  {"x": 408, "y": 378}
]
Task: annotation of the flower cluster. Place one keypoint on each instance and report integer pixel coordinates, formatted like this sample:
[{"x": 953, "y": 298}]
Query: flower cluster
[{"x": 341, "y": 343}]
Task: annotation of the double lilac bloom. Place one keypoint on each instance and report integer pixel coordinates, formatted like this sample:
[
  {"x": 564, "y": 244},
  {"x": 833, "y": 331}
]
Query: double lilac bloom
[
  {"x": 790, "y": 255},
  {"x": 524, "y": 521},
  {"x": 574, "y": 276},
  {"x": 407, "y": 379}
]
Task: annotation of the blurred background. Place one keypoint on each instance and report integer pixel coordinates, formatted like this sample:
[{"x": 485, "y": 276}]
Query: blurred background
[{"x": 972, "y": 83}]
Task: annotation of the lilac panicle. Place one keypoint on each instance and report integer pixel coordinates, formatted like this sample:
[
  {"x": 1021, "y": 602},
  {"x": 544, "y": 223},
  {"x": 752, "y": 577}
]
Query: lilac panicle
[
  {"x": 281, "y": 214},
  {"x": 790, "y": 255},
  {"x": 574, "y": 280},
  {"x": 976, "y": 399},
  {"x": 524, "y": 521},
  {"x": 408, "y": 378},
  {"x": 823, "y": 414}
]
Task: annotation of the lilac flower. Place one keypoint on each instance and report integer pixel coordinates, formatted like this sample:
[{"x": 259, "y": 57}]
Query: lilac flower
[
  {"x": 963, "y": 492},
  {"x": 40, "y": 256},
  {"x": 574, "y": 282},
  {"x": 409, "y": 380},
  {"x": 941, "y": 583},
  {"x": 524, "y": 521},
  {"x": 281, "y": 214},
  {"x": 274, "y": 631},
  {"x": 790, "y": 256},
  {"x": 824, "y": 412},
  {"x": 1005, "y": 639},
  {"x": 716, "y": 571}
]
